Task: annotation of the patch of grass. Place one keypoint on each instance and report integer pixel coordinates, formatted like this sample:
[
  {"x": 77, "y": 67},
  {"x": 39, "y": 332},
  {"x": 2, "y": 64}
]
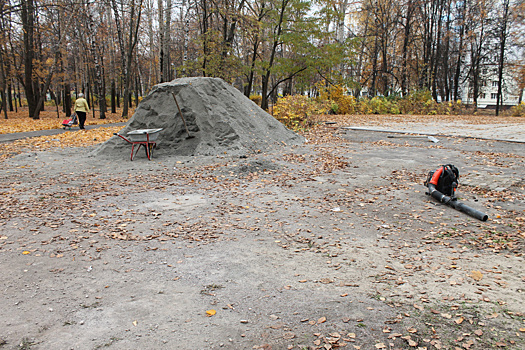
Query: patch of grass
[
  {"x": 92, "y": 306},
  {"x": 25, "y": 344},
  {"x": 109, "y": 343},
  {"x": 210, "y": 288}
]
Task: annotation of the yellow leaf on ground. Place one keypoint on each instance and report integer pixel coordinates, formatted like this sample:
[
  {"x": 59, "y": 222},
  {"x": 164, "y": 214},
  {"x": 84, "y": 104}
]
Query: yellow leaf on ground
[
  {"x": 25, "y": 252},
  {"x": 210, "y": 313}
]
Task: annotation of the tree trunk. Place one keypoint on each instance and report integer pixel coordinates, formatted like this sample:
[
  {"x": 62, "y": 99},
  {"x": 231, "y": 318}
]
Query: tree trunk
[
  {"x": 67, "y": 99},
  {"x": 28, "y": 25},
  {"x": 134, "y": 25},
  {"x": 113, "y": 97},
  {"x": 266, "y": 75},
  {"x": 501, "y": 59},
  {"x": 406, "y": 38},
  {"x": 10, "y": 96},
  {"x": 459, "y": 61}
]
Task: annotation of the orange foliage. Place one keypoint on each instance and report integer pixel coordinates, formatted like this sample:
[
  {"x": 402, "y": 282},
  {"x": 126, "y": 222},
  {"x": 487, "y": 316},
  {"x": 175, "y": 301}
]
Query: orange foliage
[{"x": 20, "y": 122}]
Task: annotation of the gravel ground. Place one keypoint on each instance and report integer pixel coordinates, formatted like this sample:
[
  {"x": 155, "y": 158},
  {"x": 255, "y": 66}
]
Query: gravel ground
[{"x": 325, "y": 245}]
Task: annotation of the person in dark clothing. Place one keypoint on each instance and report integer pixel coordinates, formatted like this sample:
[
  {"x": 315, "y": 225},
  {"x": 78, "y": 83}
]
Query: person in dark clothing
[{"x": 81, "y": 109}]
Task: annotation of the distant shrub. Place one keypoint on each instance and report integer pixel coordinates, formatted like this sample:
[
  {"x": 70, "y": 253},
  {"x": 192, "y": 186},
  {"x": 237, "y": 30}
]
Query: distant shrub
[
  {"x": 297, "y": 111},
  {"x": 418, "y": 102},
  {"x": 383, "y": 105},
  {"x": 333, "y": 100},
  {"x": 519, "y": 110},
  {"x": 339, "y": 102},
  {"x": 256, "y": 98}
]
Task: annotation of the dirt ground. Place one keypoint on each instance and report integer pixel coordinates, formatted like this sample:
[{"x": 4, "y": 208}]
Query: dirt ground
[{"x": 332, "y": 244}]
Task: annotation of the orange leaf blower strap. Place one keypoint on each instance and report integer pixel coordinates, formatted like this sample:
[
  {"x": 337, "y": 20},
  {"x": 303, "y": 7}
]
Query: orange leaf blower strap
[{"x": 435, "y": 177}]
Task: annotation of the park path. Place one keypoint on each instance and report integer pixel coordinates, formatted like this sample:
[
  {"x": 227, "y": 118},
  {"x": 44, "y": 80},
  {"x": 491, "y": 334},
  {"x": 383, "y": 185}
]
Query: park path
[{"x": 24, "y": 135}]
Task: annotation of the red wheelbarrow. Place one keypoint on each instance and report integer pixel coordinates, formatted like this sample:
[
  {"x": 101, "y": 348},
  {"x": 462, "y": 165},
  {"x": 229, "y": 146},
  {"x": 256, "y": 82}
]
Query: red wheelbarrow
[{"x": 142, "y": 137}]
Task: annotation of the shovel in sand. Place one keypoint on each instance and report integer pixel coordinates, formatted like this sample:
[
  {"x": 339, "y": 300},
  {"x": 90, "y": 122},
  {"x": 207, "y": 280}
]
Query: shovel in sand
[{"x": 182, "y": 117}]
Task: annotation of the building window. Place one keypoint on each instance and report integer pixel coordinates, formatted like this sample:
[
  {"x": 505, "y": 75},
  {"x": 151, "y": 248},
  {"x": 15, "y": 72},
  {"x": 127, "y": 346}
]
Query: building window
[
  {"x": 493, "y": 96},
  {"x": 483, "y": 96},
  {"x": 494, "y": 84}
]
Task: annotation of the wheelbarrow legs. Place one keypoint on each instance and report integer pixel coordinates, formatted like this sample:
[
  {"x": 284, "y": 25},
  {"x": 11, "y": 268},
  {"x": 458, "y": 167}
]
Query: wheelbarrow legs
[{"x": 148, "y": 148}]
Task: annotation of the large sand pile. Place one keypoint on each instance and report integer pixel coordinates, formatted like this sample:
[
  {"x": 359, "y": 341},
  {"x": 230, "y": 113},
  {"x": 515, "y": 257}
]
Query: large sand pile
[{"x": 219, "y": 117}]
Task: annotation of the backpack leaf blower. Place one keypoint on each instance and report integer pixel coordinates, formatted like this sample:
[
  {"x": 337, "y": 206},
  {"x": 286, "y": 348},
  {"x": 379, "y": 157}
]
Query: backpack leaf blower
[{"x": 442, "y": 184}]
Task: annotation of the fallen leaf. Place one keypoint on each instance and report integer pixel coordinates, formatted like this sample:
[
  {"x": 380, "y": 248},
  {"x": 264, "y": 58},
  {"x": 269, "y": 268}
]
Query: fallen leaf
[
  {"x": 321, "y": 320},
  {"x": 412, "y": 343},
  {"x": 380, "y": 346},
  {"x": 135, "y": 323},
  {"x": 459, "y": 320},
  {"x": 26, "y": 252},
  {"x": 476, "y": 275},
  {"x": 210, "y": 313},
  {"x": 288, "y": 335},
  {"x": 479, "y": 332}
]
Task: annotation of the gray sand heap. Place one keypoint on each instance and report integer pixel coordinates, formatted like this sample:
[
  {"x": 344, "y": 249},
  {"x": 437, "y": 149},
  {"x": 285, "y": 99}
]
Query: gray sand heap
[{"x": 220, "y": 118}]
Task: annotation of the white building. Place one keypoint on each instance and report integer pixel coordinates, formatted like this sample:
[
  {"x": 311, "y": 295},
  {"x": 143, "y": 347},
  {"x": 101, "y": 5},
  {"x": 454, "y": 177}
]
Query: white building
[{"x": 489, "y": 90}]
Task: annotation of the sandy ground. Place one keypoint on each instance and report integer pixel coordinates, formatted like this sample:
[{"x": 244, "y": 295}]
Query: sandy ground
[{"x": 327, "y": 245}]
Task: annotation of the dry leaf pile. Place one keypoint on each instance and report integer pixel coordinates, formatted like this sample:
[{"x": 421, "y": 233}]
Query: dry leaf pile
[
  {"x": 20, "y": 121},
  {"x": 72, "y": 139}
]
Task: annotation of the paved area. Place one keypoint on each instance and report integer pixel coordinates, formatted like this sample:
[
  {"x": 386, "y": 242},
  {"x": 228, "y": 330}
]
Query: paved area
[{"x": 514, "y": 132}]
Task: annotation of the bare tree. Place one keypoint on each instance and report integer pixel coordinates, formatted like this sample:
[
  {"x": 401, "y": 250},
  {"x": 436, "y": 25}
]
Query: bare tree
[{"x": 127, "y": 45}]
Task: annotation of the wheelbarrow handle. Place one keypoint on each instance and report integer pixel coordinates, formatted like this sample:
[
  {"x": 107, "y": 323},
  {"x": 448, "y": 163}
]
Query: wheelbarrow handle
[{"x": 122, "y": 137}]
